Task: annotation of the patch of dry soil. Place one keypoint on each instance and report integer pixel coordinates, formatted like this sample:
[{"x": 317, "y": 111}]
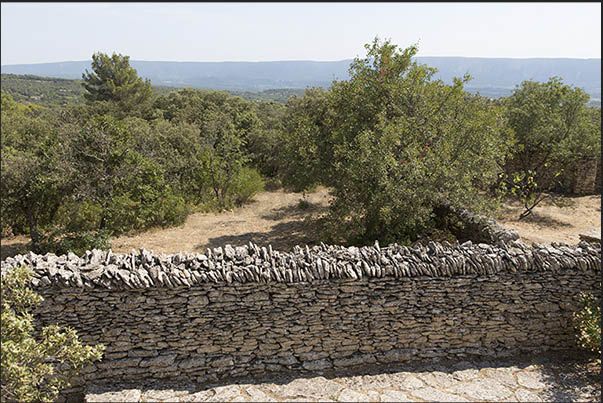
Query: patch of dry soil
[
  {"x": 277, "y": 218},
  {"x": 274, "y": 218},
  {"x": 549, "y": 223}
]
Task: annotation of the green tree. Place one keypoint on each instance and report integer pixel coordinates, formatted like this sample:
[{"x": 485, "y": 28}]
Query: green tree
[
  {"x": 305, "y": 157},
  {"x": 394, "y": 145},
  {"x": 553, "y": 128},
  {"x": 129, "y": 188},
  {"x": 115, "y": 86},
  {"x": 36, "y": 363},
  {"x": 226, "y": 156},
  {"x": 224, "y": 125},
  {"x": 263, "y": 143},
  {"x": 36, "y": 175}
]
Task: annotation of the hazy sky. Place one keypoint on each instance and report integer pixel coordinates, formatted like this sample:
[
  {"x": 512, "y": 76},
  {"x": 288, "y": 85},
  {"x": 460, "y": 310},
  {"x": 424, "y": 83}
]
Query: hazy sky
[{"x": 51, "y": 32}]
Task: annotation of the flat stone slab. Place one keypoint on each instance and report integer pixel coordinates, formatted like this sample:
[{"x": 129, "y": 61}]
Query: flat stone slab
[
  {"x": 540, "y": 378},
  {"x": 593, "y": 235}
]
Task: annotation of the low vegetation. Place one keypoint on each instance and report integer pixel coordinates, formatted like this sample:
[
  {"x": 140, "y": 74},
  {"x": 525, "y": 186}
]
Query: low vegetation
[
  {"x": 391, "y": 143},
  {"x": 587, "y": 322},
  {"x": 36, "y": 363}
]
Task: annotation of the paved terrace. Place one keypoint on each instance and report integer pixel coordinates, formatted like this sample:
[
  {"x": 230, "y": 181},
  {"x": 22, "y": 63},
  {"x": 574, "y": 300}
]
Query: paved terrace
[{"x": 545, "y": 377}]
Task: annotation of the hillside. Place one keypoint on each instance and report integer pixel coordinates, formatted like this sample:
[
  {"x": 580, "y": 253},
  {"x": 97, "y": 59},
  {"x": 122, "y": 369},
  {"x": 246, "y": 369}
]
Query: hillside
[
  {"x": 61, "y": 91},
  {"x": 42, "y": 90},
  {"x": 50, "y": 90},
  {"x": 494, "y": 77}
]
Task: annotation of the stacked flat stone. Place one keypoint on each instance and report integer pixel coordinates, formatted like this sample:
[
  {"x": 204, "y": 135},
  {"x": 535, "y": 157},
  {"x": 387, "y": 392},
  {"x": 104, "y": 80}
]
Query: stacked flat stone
[
  {"x": 479, "y": 228},
  {"x": 487, "y": 229},
  {"x": 255, "y": 264},
  {"x": 251, "y": 310}
]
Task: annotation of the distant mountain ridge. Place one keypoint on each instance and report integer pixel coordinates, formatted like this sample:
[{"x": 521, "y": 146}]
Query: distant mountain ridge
[{"x": 496, "y": 75}]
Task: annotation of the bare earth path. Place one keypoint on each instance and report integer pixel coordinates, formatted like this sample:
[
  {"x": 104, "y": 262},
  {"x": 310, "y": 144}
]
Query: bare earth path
[{"x": 550, "y": 223}]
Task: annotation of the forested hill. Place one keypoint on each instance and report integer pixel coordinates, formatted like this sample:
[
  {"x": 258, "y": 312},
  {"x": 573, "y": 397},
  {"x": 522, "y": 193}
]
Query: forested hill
[
  {"x": 492, "y": 76},
  {"x": 50, "y": 90},
  {"x": 61, "y": 91}
]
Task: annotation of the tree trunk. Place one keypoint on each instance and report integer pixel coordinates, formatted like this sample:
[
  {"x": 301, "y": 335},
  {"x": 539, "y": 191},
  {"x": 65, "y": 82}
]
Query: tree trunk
[{"x": 33, "y": 229}]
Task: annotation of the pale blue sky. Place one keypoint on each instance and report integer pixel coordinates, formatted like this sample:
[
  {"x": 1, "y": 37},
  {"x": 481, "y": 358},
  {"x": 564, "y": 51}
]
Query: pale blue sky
[{"x": 51, "y": 32}]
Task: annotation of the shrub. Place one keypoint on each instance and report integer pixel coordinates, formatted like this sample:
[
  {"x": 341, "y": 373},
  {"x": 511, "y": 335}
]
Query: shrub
[
  {"x": 588, "y": 323},
  {"x": 247, "y": 184},
  {"x": 393, "y": 144},
  {"x": 35, "y": 367},
  {"x": 60, "y": 242}
]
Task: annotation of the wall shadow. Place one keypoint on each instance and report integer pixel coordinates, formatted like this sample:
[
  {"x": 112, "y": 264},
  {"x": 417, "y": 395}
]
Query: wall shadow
[
  {"x": 12, "y": 250},
  {"x": 295, "y": 211},
  {"x": 565, "y": 374},
  {"x": 283, "y": 237}
]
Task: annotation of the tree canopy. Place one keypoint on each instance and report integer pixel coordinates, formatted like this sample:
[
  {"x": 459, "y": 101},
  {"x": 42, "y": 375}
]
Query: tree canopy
[
  {"x": 113, "y": 79},
  {"x": 554, "y": 130},
  {"x": 393, "y": 145}
]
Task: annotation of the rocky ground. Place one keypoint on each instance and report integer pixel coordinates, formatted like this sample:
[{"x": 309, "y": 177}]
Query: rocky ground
[{"x": 551, "y": 377}]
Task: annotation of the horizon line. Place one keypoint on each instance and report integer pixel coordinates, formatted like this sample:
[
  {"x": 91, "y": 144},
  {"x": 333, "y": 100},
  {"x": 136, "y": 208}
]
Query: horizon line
[{"x": 312, "y": 61}]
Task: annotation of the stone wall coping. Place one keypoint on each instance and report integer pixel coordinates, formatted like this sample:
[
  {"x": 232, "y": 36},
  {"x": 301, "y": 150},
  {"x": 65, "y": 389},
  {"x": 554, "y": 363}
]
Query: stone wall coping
[{"x": 254, "y": 264}]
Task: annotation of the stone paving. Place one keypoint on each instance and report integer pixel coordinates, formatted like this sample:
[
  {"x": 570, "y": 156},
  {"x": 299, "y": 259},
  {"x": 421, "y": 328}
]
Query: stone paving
[{"x": 528, "y": 379}]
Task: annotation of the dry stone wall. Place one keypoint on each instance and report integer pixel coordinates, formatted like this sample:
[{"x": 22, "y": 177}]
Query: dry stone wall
[
  {"x": 250, "y": 310},
  {"x": 479, "y": 228}
]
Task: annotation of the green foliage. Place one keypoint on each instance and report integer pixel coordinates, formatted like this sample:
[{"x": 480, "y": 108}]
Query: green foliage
[
  {"x": 304, "y": 158},
  {"x": 393, "y": 145},
  {"x": 116, "y": 84},
  {"x": 246, "y": 185},
  {"x": 587, "y": 322},
  {"x": 35, "y": 365},
  {"x": 61, "y": 242},
  {"x": 523, "y": 186},
  {"x": 129, "y": 189},
  {"x": 264, "y": 144},
  {"x": 43, "y": 90},
  {"x": 49, "y": 91},
  {"x": 106, "y": 172},
  {"x": 215, "y": 149},
  {"x": 554, "y": 130},
  {"x": 279, "y": 95},
  {"x": 35, "y": 177}
]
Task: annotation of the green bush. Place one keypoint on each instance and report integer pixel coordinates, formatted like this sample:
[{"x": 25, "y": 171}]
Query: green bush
[
  {"x": 587, "y": 322},
  {"x": 79, "y": 216},
  {"x": 128, "y": 214},
  {"x": 246, "y": 185},
  {"x": 392, "y": 143},
  {"x": 170, "y": 210},
  {"x": 60, "y": 242},
  {"x": 35, "y": 367}
]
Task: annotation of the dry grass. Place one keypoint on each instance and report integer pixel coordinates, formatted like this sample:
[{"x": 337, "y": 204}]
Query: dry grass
[
  {"x": 549, "y": 223},
  {"x": 271, "y": 218},
  {"x": 277, "y": 218}
]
